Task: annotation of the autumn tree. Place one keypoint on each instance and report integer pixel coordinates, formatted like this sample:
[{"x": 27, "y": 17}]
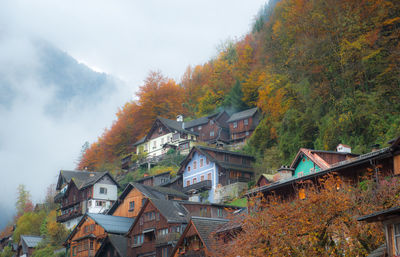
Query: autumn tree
[{"x": 24, "y": 202}]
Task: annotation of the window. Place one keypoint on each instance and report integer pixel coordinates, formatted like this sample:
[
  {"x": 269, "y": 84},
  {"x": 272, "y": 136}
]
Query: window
[
  {"x": 103, "y": 190},
  {"x": 202, "y": 178},
  {"x": 300, "y": 174},
  {"x": 207, "y": 161},
  {"x": 194, "y": 180},
  {"x": 188, "y": 183},
  {"x": 195, "y": 165},
  {"x": 211, "y": 122},
  {"x": 235, "y": 124},
  {"x": 157, "y": 216},
  {"x": 160, "y": 130},
  {"x": 131, "y": 205},
  {"x": 141, "y": 221},
  {"x": 99, "y": 203},
  {"x": 397, "y": 238},
  {"x": 201, "y": 162},
  {"x": 247, "y": 133},
  {"x": 91, "y": 244},
  {"x": 175, "y": 136},
  {"x": 138, "y": 239},
  {"x": 209, "y": 176},
  {"x": 154, "y": 144},
  {"x": 192, "y": 129},
  {"x": 246, "y": 122},
  {"x": 219, "y": 212},
  {"x": 143, "y": 201},
  {"x": 199, "y": 128},
  {"x": 204, "y": 212},
  {"x": 162, "y": 232},
  {"x": 74, "y": 251},
  {"x": 189, "y": 168},
  {"x": 211, "y": 133},
  {"x": 226, "y": 158}
]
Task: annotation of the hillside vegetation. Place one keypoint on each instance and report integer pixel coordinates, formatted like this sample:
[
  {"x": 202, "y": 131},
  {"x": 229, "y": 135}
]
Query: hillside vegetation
[{"x": 323, "y": 72}]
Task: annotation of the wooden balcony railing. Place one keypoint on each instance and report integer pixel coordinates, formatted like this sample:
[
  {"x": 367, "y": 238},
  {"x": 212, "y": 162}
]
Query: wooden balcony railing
[
  {"x": 168, "y": 238},
  {"x": 199, "y": 186}
]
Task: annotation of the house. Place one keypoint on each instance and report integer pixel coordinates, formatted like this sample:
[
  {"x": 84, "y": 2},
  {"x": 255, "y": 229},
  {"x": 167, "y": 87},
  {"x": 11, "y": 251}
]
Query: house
[
  {"x": 131, "y": 200},
  {"x": 242, "y": 124},
  {"x": 6, "y": 237},
  {"x": 113, "y": 246},
  {"x": 265, "y": 179},
  {"x": 166, "y": 133},
  {"x": 155, "y": 180},
  {"x": 211, "y": 174},
  {"x": 82, "y": 191},
  {"x": 87, "y": 237},
  {"x": 27, "y": 245},
  {"x": 390, "y": 220},
  {"x": 310, "y": 165},
  {"x": 198, "y": 237},
  {"x": 175, "y": 183},
  {"x": 160, "y": 223},
  {"x": 212, "y": 129}
]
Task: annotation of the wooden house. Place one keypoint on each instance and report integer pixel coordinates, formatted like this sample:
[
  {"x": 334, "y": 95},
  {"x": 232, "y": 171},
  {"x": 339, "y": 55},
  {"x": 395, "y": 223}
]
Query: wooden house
[
  {"x": 81, "y": 191},
  {"x": 390, "y": 220},
  {"x": 113, "y": 246},
  {"x": 131, "y": 200},
  {"x": 92, "y": 230},
  {"x": 242, "y": 124},
  {"x": 155, "y": 180},
  {"x": 310, "y": 165},
  {"x": 163, "y": 134},
  {"x": 160, "y": 223},
  {"x": 198, "y": 239},
  {"x": 217, "y": 172},
  {"x": 212, "y": 129},
  {"x": 27, "y": 245}
]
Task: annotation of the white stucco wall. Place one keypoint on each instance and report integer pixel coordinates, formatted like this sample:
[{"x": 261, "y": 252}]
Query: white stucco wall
[{"x": 70, "y": 224}]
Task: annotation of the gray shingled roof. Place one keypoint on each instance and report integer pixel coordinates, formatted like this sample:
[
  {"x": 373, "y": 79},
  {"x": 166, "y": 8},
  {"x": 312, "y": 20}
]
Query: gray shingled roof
[
  {"x": 243, "y": 114},
  {"x": 200, "y": 121},
  {"x": 175, "y": 125},
  {"x": 31, "y": 241},
  {"x": 112, "y": 224},
  {"x": 120, "y": 244},
  {"x": 206, "y": 226},
  {"x": 81, "y": 178},
  {"x": 379, "y": 252},
  {"x": 172, "y": 211},
  {"x": 140, "y": 141}
]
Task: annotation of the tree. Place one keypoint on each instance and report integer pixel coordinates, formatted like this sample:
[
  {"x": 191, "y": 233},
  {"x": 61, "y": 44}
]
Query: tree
[{"x": 24, "y": 203}]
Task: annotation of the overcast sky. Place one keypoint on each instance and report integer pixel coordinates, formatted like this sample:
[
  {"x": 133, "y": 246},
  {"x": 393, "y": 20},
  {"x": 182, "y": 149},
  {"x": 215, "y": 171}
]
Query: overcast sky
[{"x": 125, "y": 39}]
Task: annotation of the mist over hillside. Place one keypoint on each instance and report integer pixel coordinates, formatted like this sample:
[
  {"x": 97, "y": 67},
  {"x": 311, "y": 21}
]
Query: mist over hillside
[{"x": 50, "y": 105}]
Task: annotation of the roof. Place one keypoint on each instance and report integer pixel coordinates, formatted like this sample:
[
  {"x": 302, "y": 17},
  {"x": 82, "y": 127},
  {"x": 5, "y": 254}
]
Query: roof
[
  {"x": 31, "y": 241},
  {"x": 175, "y": 125},
  {"x": 334, "y": 167},
  {"x": 154, "y": 192},
  {"x": 268, "y": 177},
  {"x": 226, "y": 165},
  {"x": 380, "y": 215},
  {"x": 205, "y": 227},
  {"x": 81, "y": 179},
  {"x": 112, "y": 224},
  {"x": 243, "y": 114},
  {"x": 201, "y": 120},
  {"x": 120, "y": 244},
  {"x": 172, "y": 211},
  {"x": 140, "y": 141}
]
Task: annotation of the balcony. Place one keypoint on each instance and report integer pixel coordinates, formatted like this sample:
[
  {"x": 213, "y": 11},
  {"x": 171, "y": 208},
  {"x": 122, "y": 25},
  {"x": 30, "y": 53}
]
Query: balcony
[
  {"x": 168, "y": 238},
  {"x": 200, "y": 186},
  {"x": 70, "y": 215}
]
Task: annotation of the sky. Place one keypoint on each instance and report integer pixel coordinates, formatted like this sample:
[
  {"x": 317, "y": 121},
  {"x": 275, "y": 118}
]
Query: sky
[{"x": 123, "y": 38}]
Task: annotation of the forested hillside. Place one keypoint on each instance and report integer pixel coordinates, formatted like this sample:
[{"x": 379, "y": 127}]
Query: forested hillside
[{"x": 323, "y": 72}]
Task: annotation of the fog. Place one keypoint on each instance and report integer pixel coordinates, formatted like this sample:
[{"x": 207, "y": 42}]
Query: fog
[{"x": 41, "y": 130}]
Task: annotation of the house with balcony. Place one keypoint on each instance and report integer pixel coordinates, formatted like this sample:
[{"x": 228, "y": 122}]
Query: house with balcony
[
  {"x": 132, "y": 199},
  {"x": 164, "y": 135},
  {"x": 311, "y": 165},
  {"x": 215, "y": 175},
  {"x": 198, "y": 237},
  {"x": 91, "y": 231},
  {"x": 242, "y": 125},
  {"x": 212, "y": 129},
  {"x": 81, "y": 192}
]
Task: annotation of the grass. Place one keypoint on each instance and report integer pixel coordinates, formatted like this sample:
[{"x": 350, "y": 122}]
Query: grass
[{"x": 241, "y": 202}]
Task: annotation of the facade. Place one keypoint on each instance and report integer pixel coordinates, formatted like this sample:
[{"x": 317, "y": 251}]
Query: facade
[
  {"x": 242, "y": 125},
  {"x": 160, "y": 224},
  {"x": 197, "y": 240},
  {"x": 208, "y": 174},
  {"x": 27, "y": 245},
  {"x": 163, "y": 135},
  {"x": 350, "y": 168},
  {"x": 131, "y": 200},
  {"x": 81, "y": 192},
  {"x": 113, "y": 246},
  {"x": 155, "y": 180},
  {"x": 92, "y": 229},
  {"x": 212, "y": 129}
]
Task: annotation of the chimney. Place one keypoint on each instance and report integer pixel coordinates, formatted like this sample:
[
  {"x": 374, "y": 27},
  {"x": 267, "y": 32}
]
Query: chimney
[
  {"x": 342, "y": 148},
  {"x": 145, "y": 175},
  {"x": 284, "y": 172},
  {"x": 179, "y": 118}
]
